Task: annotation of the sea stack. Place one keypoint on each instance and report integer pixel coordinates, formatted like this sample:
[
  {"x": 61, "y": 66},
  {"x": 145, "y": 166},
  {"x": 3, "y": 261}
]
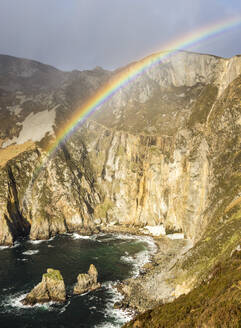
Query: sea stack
[
  {"x": 51, "y": 288},
  {"x": 87, "y": 281}
]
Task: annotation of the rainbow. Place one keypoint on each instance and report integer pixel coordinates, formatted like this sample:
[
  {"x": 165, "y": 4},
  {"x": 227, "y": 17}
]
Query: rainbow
[{"x": 128, "y": 74}]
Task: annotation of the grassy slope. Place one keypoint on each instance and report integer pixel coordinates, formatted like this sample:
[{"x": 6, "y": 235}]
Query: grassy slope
[{"x": 215, "y": 303}]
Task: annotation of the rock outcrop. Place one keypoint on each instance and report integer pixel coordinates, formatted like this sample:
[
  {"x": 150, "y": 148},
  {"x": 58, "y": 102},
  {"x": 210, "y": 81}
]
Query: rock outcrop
[
  {"x": 87, "y": 282},
  {"x": 164, "y": 150},
  {"x": 51, "y": 288},
  {"x": 156, "y": 132}
]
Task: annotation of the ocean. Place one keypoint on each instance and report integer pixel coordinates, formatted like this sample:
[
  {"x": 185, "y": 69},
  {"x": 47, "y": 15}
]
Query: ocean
[{"x": 116, "y": 257}]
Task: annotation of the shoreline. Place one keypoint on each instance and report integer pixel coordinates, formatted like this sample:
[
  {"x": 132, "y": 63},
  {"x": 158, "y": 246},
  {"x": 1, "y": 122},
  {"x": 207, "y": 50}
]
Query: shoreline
[
  {"x": 153, "y": 285},
  {"x": 137, "y": 290},
  {"x": 125, "y": 230},
  {"x": 136, "y": 261}
]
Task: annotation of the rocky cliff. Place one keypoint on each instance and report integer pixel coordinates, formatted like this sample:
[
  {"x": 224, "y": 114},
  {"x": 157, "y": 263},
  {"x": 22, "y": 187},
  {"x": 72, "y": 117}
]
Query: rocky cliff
[
  {"x": 87, "y": 282},
  {"x": 165, "y": 149},
  {"x": 50, "y": 289}
]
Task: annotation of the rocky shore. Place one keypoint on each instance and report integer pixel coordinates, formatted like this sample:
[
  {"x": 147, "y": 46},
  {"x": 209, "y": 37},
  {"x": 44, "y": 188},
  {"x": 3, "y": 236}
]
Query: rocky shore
[
  {"x": 140, "y": 293},
  {"x": 154, "y": 284}
]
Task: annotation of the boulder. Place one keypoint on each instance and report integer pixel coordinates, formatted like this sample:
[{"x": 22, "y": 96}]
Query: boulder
[
  {"x": 87, "y": 281},
  {"x": 51, "y": 288}
]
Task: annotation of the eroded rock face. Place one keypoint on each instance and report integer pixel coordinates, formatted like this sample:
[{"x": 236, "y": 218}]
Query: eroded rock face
[
  {"x": 147, "y": 157},
  {"x": 165, "y": 149},
  {"x": 87, "y": 281},
  {"x": 51, "y": 288}
]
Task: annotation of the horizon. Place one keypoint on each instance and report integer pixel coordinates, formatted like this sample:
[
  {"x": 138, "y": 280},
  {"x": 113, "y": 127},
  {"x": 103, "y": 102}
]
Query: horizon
[
  {"x": 84, "y": 34},
  {"x": 128, "y": 63}
]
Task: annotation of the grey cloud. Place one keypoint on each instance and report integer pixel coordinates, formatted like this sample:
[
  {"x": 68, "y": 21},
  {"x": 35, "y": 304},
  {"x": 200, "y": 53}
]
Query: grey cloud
[{"x": 81, "y": 34}]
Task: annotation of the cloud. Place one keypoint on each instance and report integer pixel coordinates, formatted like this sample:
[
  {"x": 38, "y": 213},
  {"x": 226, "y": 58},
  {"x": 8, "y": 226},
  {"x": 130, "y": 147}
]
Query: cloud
[{"x": 81, "y": 34}]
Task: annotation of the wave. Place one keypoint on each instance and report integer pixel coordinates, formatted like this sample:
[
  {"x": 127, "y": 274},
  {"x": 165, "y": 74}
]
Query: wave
[
  {"x": 36, "y": 242},
  {"x": 31, "y": 252},
  {"x": 126, "y": 236},
  {"x": 14, "y": 302},
  {"x": 4, "y": 247},
  {"x": 24, "y": 260},
  {"x": 137, "y": 261},
  {"x": 63, "y": 308},
  {"x": 114, "y": 317},
  {"x": 75, "y": 235},
  {"x": 118, "y": 317},
  {"x": 94, "y": 237},
  {"x": 16, "y": 244},
  {"x": 140, "y": 259}
]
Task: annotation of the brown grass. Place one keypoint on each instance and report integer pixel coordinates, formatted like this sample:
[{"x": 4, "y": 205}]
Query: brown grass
[
  {"x": 14, "y": 150},
  {"x": 232, "y": 204}
]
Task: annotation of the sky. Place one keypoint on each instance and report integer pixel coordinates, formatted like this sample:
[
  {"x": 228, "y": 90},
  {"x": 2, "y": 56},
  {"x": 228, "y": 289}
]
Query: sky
[{"x": 83, "y": 34}]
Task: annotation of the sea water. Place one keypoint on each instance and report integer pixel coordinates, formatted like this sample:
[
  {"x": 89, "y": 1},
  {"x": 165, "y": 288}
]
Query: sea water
[{"x": 115, "y": 256}]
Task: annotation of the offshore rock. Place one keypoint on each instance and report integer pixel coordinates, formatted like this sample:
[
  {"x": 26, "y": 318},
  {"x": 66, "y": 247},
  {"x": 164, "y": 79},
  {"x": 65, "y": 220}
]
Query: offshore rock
[
  {"x": 87, "y": 281},
  {"x": 164, "y": 150},
  {"x": 51, "y": 288}
]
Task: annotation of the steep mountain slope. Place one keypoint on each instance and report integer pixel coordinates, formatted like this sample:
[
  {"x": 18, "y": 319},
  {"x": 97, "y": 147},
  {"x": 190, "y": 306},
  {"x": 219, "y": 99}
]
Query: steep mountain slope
[
  {"x": 165, "y": 149},
  {"x": 39, "y": 98},
  {"x": 215, "y": 303},
  {"x": 218, "y": 231}
]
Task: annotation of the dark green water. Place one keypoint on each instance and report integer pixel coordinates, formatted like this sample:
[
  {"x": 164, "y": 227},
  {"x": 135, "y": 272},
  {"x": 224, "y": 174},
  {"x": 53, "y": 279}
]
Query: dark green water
[{"x": 21, "y": 267}]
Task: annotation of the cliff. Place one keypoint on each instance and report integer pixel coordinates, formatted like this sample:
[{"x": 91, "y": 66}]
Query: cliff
[{"x": 165, "y": 149}]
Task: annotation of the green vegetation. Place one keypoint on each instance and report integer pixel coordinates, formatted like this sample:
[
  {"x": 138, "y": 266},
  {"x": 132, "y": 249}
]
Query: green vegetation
[
  {"x": 102, "y": 209},
  {"x": 203, "y": 105},
  {"x": 161, "y": 114},
  {"x": 224, "y": 212},
  {"x": 214, "y": 303},
  {"x": 53, "y": 274},
  {"x": 121, "y": 151}
]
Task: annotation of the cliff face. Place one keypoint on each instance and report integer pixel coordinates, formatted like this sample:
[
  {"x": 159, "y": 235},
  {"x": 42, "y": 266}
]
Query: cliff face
[
  {"x": 56, "y": 198},
  {"x": 165, "y": 149},
  {"x": 155, "y": 173},
  {"x": 216, "y": 227}
]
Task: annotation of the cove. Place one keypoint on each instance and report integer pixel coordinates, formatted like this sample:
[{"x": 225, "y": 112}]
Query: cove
[{"x": 116, "y": 257}]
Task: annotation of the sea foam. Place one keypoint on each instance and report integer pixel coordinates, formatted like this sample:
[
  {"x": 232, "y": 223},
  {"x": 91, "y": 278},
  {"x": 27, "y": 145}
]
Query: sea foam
[
  {"x": 15, "y": 301},
  {"x": 16, "y": 244},
  {"x": 75, "y": 236},
  {"x": 3, "y": 247},
  {"x": 31, "y": 252},
  {"x": 114, "y": 317},
  {"x": 118, "y": 317},
  {"x": 36, "y": 242},
  {"x": 141, "y": 258}
]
